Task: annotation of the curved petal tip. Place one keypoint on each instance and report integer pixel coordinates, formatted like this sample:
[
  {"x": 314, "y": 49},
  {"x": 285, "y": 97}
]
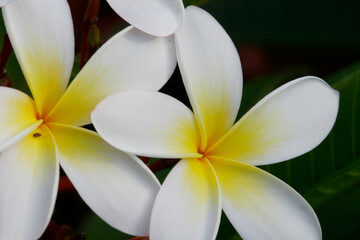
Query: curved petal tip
[{"x": 156, "y": 17}]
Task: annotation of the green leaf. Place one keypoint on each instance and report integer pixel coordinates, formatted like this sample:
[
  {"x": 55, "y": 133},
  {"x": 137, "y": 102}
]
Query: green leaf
[
  {"x": 338, "y": 151},
  {"x": 256, "y": 89},
  {"x": 194, "y": 2},
  {"x": 338, "y": 76},
  {"x": 337, "y": 184},
  {"x": 329, "y": 176},
  {"x": 95, "y": 229},
  {"x": 335, "y": 194},
  {"x": 328, "y": 25}
]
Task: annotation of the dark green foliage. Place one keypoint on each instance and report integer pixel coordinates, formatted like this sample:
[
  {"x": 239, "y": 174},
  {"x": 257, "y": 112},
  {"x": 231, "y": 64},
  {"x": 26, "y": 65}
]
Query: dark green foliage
[{"x": 194, "y": 2}]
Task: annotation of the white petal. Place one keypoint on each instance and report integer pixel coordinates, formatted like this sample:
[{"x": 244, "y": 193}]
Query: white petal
[
  {"x": 156, "y": 17},
  {"x": 288, "y": 122},
  {"x": 41, "y": 33},
  {"x": 18, "y": 116},
  {"x": 29, "y": 175},
  {"x": 260, "y": 206},
  {"x": 188, "y": 205},
  {"x": 211, "y": 71},
  {"x": 4, "y": 2},
  {"x": 116, "y": 186},
  {"x": 129, "y": 60},
  {"x": 148, "y": 124}
]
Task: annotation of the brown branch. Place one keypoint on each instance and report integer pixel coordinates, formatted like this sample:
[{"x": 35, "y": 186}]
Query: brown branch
[
  {"x": 63, "y": 232},
  {"x": 139, "y": 238},
  {"x": 89, "y": 23},
  {"x": 4, "y": 57},
  {"x": 5, "y": 52}
]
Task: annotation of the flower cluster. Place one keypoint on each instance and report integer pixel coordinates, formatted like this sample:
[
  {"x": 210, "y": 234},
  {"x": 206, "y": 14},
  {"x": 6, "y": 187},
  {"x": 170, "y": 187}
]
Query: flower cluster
[{"x": 117, "y": 92}]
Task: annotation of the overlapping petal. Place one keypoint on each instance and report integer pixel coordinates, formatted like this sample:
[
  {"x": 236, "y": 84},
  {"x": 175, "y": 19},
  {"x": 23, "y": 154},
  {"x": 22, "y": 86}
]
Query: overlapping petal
[
  {"x": 260, "y": 206},
  {"x": 130, "y": 60},
  {"x": 288, "y": 122},
  {"x": 29, "y": 175},
  {"x": 211, "y": 71},
  {"x": 41, "y": 33},
  {"x": 147, "y": 124},
  {"x": 118, "y": 187},
  {"x": 18, "y": 116},
  {"x": 156, "y": 17},
  {"x": 188, "y": 205}
]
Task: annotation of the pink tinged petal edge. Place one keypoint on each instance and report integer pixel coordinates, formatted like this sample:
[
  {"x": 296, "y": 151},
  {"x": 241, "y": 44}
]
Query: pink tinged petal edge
[
  {"x": 29, "y": 175},
  {"x": 211, "y": 72},
  {"x": 262, "y": 207},
  {"x": 118, "y": 187},
  {"x": 156, "y": 17},
  {"x": 188, "y": 205}
]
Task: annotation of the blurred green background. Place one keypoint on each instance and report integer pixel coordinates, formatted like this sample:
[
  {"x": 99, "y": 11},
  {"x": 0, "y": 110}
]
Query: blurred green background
[{"x": 278, "y": 41}]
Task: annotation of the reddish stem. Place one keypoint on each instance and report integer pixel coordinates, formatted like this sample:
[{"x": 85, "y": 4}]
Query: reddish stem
[
  {"x": 90, "y": 17},
  {"x": 4, "y": 55},
  {"x": 51, "y": 231},
  {"x": 84, "y": 44},
  {"x": 162, "y": 164},
  {"x": 139, "y": 238},
  {"x": 65, "y": 185},
  {"x": 92, "y": 11},
  {"x": 145, "y": 159},
  {"x": 62, "y": 232}
]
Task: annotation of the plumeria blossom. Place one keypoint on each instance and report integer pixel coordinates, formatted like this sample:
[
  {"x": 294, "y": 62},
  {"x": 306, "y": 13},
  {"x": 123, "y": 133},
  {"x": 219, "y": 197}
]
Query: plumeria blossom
[
  {"x": 156, "y": 17},
  {"x": 217, "y": 167},
  {"x": 38, "y": 134}
]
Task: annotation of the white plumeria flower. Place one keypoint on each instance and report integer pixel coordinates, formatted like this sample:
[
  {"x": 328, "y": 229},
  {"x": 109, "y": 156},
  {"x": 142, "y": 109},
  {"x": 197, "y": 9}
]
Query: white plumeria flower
[
  {"x": 36, "y": 135},
  {"x": 156, "y": 17},
  {"x": 217, "y": 168}
]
